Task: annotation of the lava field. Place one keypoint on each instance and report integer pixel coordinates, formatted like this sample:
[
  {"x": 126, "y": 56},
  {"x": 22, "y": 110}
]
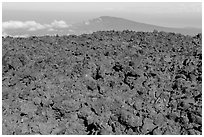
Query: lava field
[{"x": 107, "y": 82}]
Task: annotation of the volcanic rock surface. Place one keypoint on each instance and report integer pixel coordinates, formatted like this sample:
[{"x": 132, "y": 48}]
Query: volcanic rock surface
[{"x": 107, "y": 82}]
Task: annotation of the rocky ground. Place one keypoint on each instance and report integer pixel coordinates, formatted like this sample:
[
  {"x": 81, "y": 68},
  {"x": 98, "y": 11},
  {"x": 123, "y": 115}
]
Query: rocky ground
[{"x": 108, "y": 82}]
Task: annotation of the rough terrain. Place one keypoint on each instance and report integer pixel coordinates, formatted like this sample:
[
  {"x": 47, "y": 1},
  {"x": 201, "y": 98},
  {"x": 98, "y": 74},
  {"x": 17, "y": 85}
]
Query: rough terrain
[{"x": 108, "y": 82}]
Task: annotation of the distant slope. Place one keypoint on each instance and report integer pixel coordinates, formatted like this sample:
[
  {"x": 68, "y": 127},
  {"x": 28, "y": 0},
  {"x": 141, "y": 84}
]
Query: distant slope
[
  {"x": 114, "y": 23},
  {"x": 102, "y": 23}
]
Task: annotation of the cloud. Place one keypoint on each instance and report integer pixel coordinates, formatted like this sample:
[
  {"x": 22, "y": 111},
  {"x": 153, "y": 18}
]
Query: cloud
[
  {"x": 4, "y": 34},
  {"x": 70, "y": 30},
  {"x": 87, "y": 22},
  {"x": 51, "y": 29},
  {"x": 59, "y": 24},
  {"x": 22, "y": 36},
  {"x": 32, "y": 25}
]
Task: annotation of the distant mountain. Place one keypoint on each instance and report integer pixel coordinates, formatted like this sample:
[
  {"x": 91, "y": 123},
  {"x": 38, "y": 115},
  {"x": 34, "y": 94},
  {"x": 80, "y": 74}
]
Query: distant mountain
[
  {"x": 115, "y": 23},
  {"x": 101, "y": 24}
]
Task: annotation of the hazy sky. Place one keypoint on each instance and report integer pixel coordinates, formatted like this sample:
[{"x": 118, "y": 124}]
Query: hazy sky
[
  {"x": 147, "y": 7},
  {"x": 167, "y": 14}
]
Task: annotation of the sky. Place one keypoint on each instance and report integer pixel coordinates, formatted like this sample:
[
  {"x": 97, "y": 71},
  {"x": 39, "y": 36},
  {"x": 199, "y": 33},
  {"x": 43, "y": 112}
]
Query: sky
[{"x": 52, "y": 15}]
